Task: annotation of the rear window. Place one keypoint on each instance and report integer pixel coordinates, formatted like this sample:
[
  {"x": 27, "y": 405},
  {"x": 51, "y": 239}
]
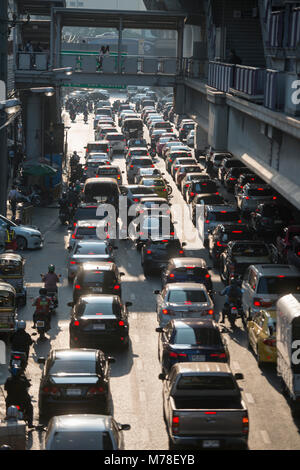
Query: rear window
[
  {"x": 139, "y": 152},
  {"x": 204, "y": 382},
  {"x": 75, "y": 366},
  {"x": 99, "y": 277},
  {"x": 115, "y": 137},
  {"x": 279, "y": 285},
  {"x": 186, "y": 296},
  {"x": 237, "y": 234},
  {"x": 200, "y": 273},
  {"x": 82, "y": 231},
  {"x": 98, "y": 308},
  {"x": 198, "y": 336},
  {"x": 143, "y": 190},
  {"x": 108, "y": 171},
  {"x": 97, "y": 147},
  {"x": 223, "y": 216},
  {"x": 142, "y": 162},
  {"x": 249, "y": 251},
  {"x": 149, "y": 182},
  {"x": 91, "y": 249},
  {"x": 87, "y": 213},
  {"x": 214, "y": 199},
  {"x": 81, "y": 440},
  {"x": 205, "y": 187},
  {"x": 188, "y": 126},
  {"x": 260, "y": 192}
]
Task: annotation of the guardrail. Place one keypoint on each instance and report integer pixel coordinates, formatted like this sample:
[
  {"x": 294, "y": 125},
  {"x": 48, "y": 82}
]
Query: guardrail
[
  {"x": 220, "y": 75},
  {"x": 32, "y": 60}
]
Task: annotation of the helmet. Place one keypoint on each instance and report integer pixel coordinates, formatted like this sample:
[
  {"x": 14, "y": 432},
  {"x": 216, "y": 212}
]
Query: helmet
[
  {"x": 51, "y": 268},
  {"x": 74, "y": 153},
  {"x": 43, "y": 291},
  {"x": 15, "y": 371},
  {"x": 21, "y": 325},
  {"x": 12, "y": 412}
]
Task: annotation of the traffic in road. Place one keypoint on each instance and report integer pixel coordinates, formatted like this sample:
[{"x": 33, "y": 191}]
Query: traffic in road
[{"x": 166, "y": 333}]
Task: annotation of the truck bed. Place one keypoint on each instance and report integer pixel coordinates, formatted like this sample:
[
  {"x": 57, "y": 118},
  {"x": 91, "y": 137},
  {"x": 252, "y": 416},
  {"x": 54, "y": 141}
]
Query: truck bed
[{"x": 208, "y": 403}]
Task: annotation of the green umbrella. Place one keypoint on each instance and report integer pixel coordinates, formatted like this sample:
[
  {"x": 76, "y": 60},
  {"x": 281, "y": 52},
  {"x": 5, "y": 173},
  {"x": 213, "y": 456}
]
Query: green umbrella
[{"x": 39, "y": 170}]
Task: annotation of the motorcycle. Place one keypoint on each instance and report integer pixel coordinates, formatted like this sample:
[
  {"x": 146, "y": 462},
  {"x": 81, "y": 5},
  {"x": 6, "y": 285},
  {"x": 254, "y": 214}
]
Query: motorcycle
[
  {"x": 85, "y": 118},
  {"x": 42, "y": 326},
  {"x": 235, "y": 311},
  {"x": 72, "y": 117},
  {"x": 18, "y": 359},
  {"x": 54, "y": 302}
]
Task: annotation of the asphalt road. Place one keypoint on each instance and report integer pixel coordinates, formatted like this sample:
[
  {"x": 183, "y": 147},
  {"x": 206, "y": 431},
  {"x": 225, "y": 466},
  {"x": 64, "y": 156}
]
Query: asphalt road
[{"x": 136, "y": 390}]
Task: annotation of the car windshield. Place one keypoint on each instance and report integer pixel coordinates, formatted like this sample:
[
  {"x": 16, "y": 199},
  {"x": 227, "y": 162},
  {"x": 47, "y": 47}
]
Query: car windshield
[
  {"x": 73, "y": 365},
  {"x": 279, "y": 285},
  {"x": 250, "y": 250},
  {"x": 223, "y": 216},
  {"x": 186, "y": 297},
  {"x": 191, "y": 271},
  {"x": 81, "y": 440},
  {"x": 198, "y": 336},
  {"x": 203, "y": 382},
  {"x": 91, "y": 249},
  {"x": 86, "y": 231},
  {"x": 98, "y": 307}
]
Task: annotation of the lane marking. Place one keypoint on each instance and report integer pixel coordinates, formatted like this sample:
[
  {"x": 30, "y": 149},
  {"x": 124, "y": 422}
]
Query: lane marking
[
  {"x": 236, "y": 365},
  {"x": 249, "y": 398},
  {"x": 265, "y": 437}
]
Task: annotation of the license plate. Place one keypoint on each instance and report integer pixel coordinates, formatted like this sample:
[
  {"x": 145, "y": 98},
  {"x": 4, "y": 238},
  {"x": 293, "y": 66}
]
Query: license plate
[
  {"x": 198, "y": 358},
  {"x": 97, "y": 289},
  {"x": 211, "y": 444},
  {"x": 74, "y": 392},
  {"x": 40, "y": 324},
  {"x": 16, "y": 362},
  {"x": 99, "y": 327}
]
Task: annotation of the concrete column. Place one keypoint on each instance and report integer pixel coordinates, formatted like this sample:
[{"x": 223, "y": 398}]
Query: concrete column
[
  {"x": 180, "y": 46},
  {"x": 188, "y": 41},
  {"x": 179, "y": 98},
  {"x": 217, "y": 119},
  {"x": 34, "y": 127},
  {"x": 120, "y": 46}
]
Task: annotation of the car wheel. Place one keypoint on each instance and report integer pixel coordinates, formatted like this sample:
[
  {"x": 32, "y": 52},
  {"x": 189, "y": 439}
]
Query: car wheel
[{"x": 21, "y": 243}]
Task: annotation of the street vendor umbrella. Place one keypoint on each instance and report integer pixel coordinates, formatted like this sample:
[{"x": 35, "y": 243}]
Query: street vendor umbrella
[{"x": 39, "y": 170}]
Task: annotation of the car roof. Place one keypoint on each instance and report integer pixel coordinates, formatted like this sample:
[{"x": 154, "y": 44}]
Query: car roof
[
  {"x": 276, "y": 270},
  {"x": 81, "y": 423},
  {"x": 220, "y": 208},
  {"x": 194, "y": 322},
  {"x": 185, "y": 286},
  {"x": 185, "y": 261},
  {"x": 75, "y": 354},
  {"x": 202, "y": 367},
  {"x": 103, "y": 265}
]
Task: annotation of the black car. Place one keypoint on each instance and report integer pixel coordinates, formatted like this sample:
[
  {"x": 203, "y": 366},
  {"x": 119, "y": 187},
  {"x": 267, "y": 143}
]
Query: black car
[
  {"x": 243, "y": 179},
  {"x": 226, "y": 164},
  {"x": 201, "y": 200},
  {"x": 219, "y": 238},
  {"x": 201, "y": 187},
  {"x": 187, "y": 270},
  {"x": 98, "y": 321},
  {"x": 151, "y": 227},
  {"x": 155, "y": 254},
  {"x": 191, "y": 340},
  {"x": 97, "y": 278},
  {"x": 86, "y": 212},
  {"x": 239, "y": 255},
  {"x": 232, "y": 176},
  {"x": 75, "y": 381},
  {"x": 271, "y": 217}
]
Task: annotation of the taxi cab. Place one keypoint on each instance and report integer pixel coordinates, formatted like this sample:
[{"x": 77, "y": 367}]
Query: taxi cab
[{"x": 262, "y": 336}]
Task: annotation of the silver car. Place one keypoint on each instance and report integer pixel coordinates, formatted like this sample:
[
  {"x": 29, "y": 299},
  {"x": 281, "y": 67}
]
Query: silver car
[
  {"x": 183, "y": 300},
  {"x": 117, "y": 142},
  {"x": 254, "y": 194},
  {"x": 264, "y": 284},
  {"x": 88, "y": 250},
  {"x": 84, "y": 432},
  {"x": 93, "y": 164},
  {"x": 85, "y": 230}
]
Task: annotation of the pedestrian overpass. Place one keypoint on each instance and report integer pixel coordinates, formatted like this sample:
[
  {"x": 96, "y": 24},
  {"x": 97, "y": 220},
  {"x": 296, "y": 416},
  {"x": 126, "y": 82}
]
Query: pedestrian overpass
[{"x": 120, "y": 68}]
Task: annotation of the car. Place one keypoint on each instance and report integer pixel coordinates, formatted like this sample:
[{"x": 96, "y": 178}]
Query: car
[
  {"x": 200, "y": 201},
  {"x": 99, "y": 321},
  {"x": 214, "y": 161},
  {"x": 173, "y": 155},
  {"x": 183, "y": 300},
  {"x": 214, "y": 215},
  {"x": 156, "y": 253},
  {"x": 191, "y": 340},
  {"x": 271, "y": 217},
  {"x": 134, "y": 193},
  {"x": 75, "y": 381},
  {"x": 186, "y": 181},
  {"x": 137, "y": 152},
  {"x": 238, "y": 255},
  {"x": 262, "y": 336},
  {"x": 110, "y": 171},
  {"x": 243, "y": 179},
  {"x": 188, "y": 269},
  {"x": 92, "y": 165},
  {"x": 86, "y": 211},
  {"x": 220, "y": 236},
  {"x": 137, "y": 162},
  {"x": 190, "y": 138},
  {"x": 87, "y": 230},
  {"x": 186, "y": 161},
  {"x": 88, "y": 250},
  {"x": 151, "y": 227},
  {"x": 185, "y": 127},
  {"x": 202, "y": 186},
  {"x": 158, "y": 184},
  {"x": 147, "y": 172},
  {"x": 153, "y": 205},
  {"x": 117, "y": 142},
  {"x": 97, "y": 146},
  {"x": 27, "y": 237},
  {"x": 182, "y": 172},
  {"x": 97, "y": 277},
  {"x": 254, "y": 194},
  {"x": 174, "y": 145},
  {"x": 164, "y": 139},
  {"x": 264, "y": 284},
  {"x": 84, "y": 432},
  {"x": 136, "y": 143},
  {"x": 225, "y": 166},
  {"x": 232, "y": 175},
  {"x": 103, "y": 130}
]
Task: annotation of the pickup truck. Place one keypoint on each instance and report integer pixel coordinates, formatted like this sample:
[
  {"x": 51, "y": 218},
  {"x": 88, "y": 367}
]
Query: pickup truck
[{"x": 203, "y": 406}]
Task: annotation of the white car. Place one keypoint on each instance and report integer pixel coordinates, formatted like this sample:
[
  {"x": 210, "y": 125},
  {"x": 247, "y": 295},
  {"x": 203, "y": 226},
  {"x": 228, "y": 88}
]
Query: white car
[
  {"x": 27, "y": 237},
  {"x": 117, "y": 142},
  {"x": 190, "y": 138}
]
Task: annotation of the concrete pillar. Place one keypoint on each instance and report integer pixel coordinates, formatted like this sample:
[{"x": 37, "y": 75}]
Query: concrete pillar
[
  {"x": 179, "y": 98},
  {"x": 34, "y": 127},
  {"x": 217, "y": 119},
  {"x": 188, "y": 41}
]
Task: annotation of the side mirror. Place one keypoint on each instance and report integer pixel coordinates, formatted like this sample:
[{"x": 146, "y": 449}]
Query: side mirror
[
  {"x": 159, "y": 330},
  {"x": 239, "y": 376},
  {"x": 111, "y": 360},
  {"x": 162, "y": 377},
  {"x": 124, "y": 427},
  {"x": 183, "y": 244},
  {"x": 128, "y": 304},
  {"x": 156, "y": 292},
  {"x": 41, "y": 360},
  {"x": 122, "y": 274},
  {"x": 70, "y": 304}
]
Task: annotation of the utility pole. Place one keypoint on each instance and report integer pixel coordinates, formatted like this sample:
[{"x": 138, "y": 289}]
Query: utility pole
[{"x": 3, "y": 132}]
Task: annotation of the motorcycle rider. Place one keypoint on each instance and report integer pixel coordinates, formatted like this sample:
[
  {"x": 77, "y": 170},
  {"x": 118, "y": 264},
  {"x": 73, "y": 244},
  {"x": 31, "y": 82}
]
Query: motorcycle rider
[
  {"x": 74, "y": 159},
  {"x": 16, "y": 387},
  {"x": 50, "y": 279},
  {"x": 42, "y": 306},
  {"x": 21, "y": 340},
  {"x": 233, "y": 294},
  {"x": 85, "y": 114}
]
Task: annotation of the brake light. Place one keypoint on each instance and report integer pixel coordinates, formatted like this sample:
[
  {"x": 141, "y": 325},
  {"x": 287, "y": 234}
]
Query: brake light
[
  {"x": 77, "y": 286},
  {"x": 76, "y": 323},
  {"x": 260, "y": 189},
  {"x": 116, "y": 287},
  {"x": 207, "y": 276},
  {"x": 237, "y": 231},
  {"x": 220, "y": 244},
  {"x": 51, "y": 390},
  {"x": 274, "y": 197},
  {"x": 207, "y": 221},
  {"x": 239, "y": 221},
  {"x": 121, "y": 323},
  {"x": 181, "y": 252},
  {"x": 149, "y": 252},
  {"x": 175, "y": 424},
  {"x": 219, "y": 355},
  {"x": 187, "y": 185},
  {"x": 223, "y": 212},
  {"x": 135, "y": 200},
  {"x": 210, "y": 412},
  {"x": 165, "y": 311},
  {"x": 210, "y": 311},
  {"x": 245, "y": 425},
  {"x": 72, "y": 262},
  {"x": 95, "y": 391},
  {"x": 192, "y": 194},
  {"x": 17, "y": 357},
  {"x": 261, "y": 303}
]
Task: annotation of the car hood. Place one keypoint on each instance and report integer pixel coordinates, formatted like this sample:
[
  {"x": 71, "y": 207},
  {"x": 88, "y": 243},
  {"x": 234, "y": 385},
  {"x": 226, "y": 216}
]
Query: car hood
[{"x": 23, "y": 229}]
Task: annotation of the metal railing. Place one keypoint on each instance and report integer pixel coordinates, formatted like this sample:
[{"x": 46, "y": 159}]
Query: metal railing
[
  {"x": 32, "y": 60},
  {"x": 220, "y": 75}
]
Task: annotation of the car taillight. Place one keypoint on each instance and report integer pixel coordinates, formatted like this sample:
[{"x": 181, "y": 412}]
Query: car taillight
[
  {"x": 95, "y": 391},
  {"x": 219, "y": 355},
  {"x": 245, "y": 429},
  {"x": 262, "y": 303},
  {"x": 270, "y": 342},
  {"x": 176, "y": 355},
  {"x": 207, "y": 276},
  {"x": 181, "y": 252},
  {"x": 121, "y": 323},
  {"x": 72, "y": 262},
  {"x": 210, "y": 311},
  {"x": 220, "y": 244},
  {"x": 76, "y": 323},
  {"x": 135, "y": 200},
  {"x": 175, "y": 424},
  {"x": 149, "y": 252},
  {"x": 165, "y": 311},
  {"x": 171, "y": 275},
  {"x": 207, "y": 221},
  {"x": 117, "y": 287},
  {"x": 51, "y": 390},
  {"x": 77, "y": 286},
  {"x": 192, "y": 194}
]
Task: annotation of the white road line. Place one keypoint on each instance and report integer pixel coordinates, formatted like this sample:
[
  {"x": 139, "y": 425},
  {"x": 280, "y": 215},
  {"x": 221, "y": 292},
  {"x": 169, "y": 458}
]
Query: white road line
[
  {"x": 236, "y": 365},
  {"x": 139, "y": 365},
  {"x": 142, "y": 396},
  {"x": 265, "y": 437},
  {"x": 249, "y": 398}
]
